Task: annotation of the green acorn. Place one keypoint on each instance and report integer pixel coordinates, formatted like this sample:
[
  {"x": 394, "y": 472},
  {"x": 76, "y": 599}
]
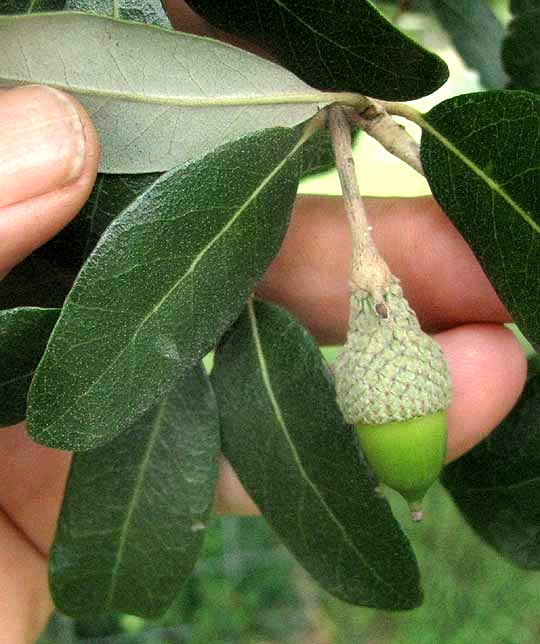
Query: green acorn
[{"x": 393, "y": 385}]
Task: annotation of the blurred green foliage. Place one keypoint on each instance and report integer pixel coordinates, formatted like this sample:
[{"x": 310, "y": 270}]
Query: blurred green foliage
[{"x": 248, "y": 590}]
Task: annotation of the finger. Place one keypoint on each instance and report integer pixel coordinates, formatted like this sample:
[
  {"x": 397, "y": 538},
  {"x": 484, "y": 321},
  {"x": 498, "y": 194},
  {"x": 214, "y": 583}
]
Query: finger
[
  {"x": 231, "y": 497},
  {"x": 42, "y": 145},
  {"x": 32, "y": 482},
  {"x": 48, "y": 164},
  {"x": 24, "y": 595},
  {"x": 440, "y": 275},
  {"x": 185, "y": 19},
  {"x": 488, "y": 370}
]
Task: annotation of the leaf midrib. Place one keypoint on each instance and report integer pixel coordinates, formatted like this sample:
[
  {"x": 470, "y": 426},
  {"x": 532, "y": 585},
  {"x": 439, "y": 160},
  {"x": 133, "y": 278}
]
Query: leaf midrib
[
  {"x": 315, "y": 98},
  {"x": 490, "y": 183},
  {"x": 309, "y": 97},
  {"x": 134, "y": 501}
]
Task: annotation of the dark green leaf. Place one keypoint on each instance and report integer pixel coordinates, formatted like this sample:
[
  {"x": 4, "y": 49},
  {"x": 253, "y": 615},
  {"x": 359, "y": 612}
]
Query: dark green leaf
[
  {"x": 135, "y": 511},
  {"x": 477, "y": 34},
  {"x": 482, "y": 159},
  {"x": 23, "y": 336},
  {"x": 497, "y": 484},
  {"x": 158, "y": 98},
  {"x": 30, "y": 6},
  {"x": 521, "y": 51},
  {"x": 164, "y": 282},
  {"x": 317, "y": 153},
  {"x": 533, "y": 366},
  {"x": 45, "y": 277},
  {"x": 149, "y": 12},
  {"x": 288, "y": 443},
  {"x": 521, "y": 6},
  {"x": 338, "y": 45}
]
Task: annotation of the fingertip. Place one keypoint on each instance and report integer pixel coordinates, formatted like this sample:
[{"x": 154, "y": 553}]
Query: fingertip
[
  {"x": 441, "y": 277},
  {"x": 185, "y": 19},
  {"x": 488, "y": 368},
  {"x": 43, "y": 143},
  {"x": 231, "y": 497},
  {"x": 49, "y": 158}
]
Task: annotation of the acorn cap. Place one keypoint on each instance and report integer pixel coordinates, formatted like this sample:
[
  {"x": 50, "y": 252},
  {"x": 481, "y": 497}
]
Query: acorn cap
[{"x": 389, "y": 369}]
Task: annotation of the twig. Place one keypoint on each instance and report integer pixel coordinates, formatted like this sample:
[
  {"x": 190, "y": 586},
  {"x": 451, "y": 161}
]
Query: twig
[
  {"x": 402, "y": 109},
  {"x": 369, "y": 272},
  {"x": 378, "y": 123}
]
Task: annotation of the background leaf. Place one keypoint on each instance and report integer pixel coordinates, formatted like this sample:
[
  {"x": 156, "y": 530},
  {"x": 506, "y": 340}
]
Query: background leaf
[
  {"x": 45, "y": 277},
  {"x": 477, "y": 34},
  {"x": 521, "y": 51},
  {"x": 521, "y": 6},
  {"x": 135, "y": 511},
  {"x": 150, "y": 12},
  {"x": 482, "y": 160},
  {"x": 157, "y": 98},
  {"x": 317, "y": 153},
  {"x": 30, "y": 6},
  {"x": 23, "y": 337},
  {"x": 286, "y": 439},
  {"x": 497, "y": 484},
  {"x": 164, "y": 282},
  {"x": 338, "y": 45}
]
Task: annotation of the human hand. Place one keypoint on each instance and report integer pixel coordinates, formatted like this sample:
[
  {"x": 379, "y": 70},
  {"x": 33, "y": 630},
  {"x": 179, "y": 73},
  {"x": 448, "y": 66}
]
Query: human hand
[
  {"x": 48, "y": 164},
  {"x": 46, "y": 178}
]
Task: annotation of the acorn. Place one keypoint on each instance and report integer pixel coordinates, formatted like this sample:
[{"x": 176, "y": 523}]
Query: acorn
[{"x": 393, "y": 386}]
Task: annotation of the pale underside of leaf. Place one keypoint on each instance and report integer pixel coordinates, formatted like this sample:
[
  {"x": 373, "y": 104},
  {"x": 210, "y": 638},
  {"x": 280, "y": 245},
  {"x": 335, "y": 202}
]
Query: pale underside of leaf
[
  {"x": 146, "y": 11},
  {"x": 158, "y": 98}
]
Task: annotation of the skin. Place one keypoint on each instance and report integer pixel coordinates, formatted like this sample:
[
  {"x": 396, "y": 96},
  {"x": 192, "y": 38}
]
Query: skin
[{"x": 43, "y": 188}]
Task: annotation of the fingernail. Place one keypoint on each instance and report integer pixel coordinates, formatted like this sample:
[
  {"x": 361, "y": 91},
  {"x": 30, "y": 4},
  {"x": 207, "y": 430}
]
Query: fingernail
[{"x": 42, "y": 143}]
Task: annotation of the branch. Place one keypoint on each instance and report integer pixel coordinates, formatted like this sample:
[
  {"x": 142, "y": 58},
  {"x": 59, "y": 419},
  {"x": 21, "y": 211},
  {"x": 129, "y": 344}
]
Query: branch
[
  {"x": 369, "y": 272},
  {"x": 402, "y": 109},
  {"x": 378, "y": 123}
]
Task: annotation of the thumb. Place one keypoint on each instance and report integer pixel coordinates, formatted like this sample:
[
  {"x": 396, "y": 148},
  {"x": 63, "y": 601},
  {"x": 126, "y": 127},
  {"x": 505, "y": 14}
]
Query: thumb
[{"x": 48, "y": 164}]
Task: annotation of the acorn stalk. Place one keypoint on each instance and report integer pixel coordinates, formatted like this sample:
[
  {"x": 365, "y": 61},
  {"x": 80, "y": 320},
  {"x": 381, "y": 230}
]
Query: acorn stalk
[{"x": 392, "y": 380}]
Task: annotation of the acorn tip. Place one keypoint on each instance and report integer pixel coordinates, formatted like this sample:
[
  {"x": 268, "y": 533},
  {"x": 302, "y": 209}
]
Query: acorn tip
[{"x": 417, "y": 513}]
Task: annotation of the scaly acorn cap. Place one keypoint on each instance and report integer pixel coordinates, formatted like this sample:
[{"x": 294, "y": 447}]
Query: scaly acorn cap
[{"x": 389, "y": 369}]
